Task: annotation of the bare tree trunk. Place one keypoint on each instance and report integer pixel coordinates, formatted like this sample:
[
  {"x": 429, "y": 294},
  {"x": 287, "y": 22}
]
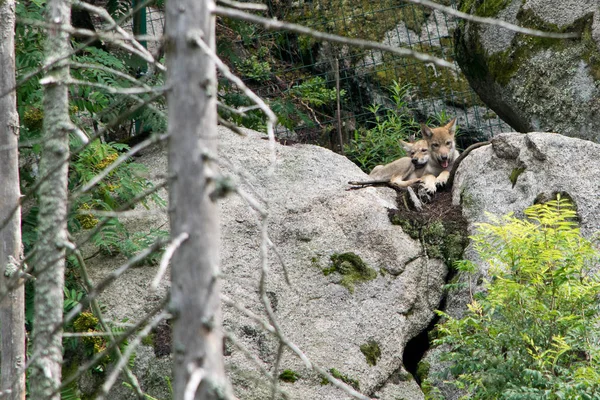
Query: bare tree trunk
[
  {"x": 12, "y": 307},
  {"x": 52, "y": 227},
  {"x": 197, "y": 331}
]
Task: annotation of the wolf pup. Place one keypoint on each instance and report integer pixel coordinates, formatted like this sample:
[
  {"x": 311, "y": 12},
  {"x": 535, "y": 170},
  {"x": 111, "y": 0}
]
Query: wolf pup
[
  {"x": 405, "y": 171},
  {"x": 442, "y": 154}
]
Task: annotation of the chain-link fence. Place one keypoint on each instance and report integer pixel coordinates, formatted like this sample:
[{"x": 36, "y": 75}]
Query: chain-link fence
[
  {"x": 299, "y": 75},
  {"x": 367, "y": 75}
]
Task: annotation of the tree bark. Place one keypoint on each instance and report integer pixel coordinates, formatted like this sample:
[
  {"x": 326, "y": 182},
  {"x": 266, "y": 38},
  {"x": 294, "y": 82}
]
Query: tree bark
[
  {"x": 52, "y": 219},
  {"x": 12, "y": 306},
  {"x": 195, "y": 303}
]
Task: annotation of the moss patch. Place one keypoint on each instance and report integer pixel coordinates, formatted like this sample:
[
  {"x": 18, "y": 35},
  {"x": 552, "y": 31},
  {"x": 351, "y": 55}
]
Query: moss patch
[
  {"x": 338, "y": 375},
  {"x": 440, "y": 227},
  {"x": 289, "y": 376},
  {"x": 371, "y": 351},
  {"x": 514, "y": 175},
  {"x": 352, "y": 268}
]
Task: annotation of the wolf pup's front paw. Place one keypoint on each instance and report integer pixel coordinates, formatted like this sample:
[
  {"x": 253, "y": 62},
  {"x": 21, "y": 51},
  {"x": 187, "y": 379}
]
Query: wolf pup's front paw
[
  {"x": 442, "y": 178},
  {"x": 429, "y": 184}
]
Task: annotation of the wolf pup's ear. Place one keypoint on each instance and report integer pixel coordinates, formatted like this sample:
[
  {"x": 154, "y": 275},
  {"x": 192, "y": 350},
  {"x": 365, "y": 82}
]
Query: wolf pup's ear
[
  {"x": 406, "y": 146},
  {"x": 451, "y": 126},
  {"x": 427, "y": 133}
]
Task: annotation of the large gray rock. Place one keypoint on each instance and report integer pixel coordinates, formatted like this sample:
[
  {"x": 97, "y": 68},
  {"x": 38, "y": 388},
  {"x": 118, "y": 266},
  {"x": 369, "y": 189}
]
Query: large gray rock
[
  {"x": 512, "y": 173},
  {"x": 550, "y": 163},
  {"x": 516, "y": 171},
  {"x": 535, "y": 84},
  {"x": 311, "y": 217}
]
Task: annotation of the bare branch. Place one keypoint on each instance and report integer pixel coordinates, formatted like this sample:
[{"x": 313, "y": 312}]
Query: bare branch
[
  {"x": 110, "y": 278},
  {"x": 118, "y": 340},
  {"x": 121, "y": 214},
  {"x": 115, "y": 38},
  {"x": 113, "y": 90},
  {"x": 113, "y": 71},
  {"x": 233, "y": 127},
  {"x": 295, "y": 349},
  {"x": 126, "y": 36},
  {"x": 164, "y": 262},
  {"x": 196, "y": 375},
  {"x": 125, "y": 206},
  {"x": 275, "y": 379},
  {"x": 245, "y": 6},
  {"x": 46, "y": 66},
  {"x": 133, "y": 381},
  {"x": 495, "y": 21},
  {"x": 131, "y": 347},
  {"x": 272, "y": 24}
]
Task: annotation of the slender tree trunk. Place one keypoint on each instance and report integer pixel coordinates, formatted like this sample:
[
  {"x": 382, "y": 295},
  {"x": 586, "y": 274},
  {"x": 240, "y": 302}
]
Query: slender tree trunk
[
  {"x": 52, "y": 227},
  {"x": 197, "y": 332},
  {"x": 12, "y": 307}
]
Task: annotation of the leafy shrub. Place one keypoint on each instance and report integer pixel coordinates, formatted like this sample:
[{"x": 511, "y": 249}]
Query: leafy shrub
[
  {"x": 534, "y": 334},
  {"x": 254, "y": 69},
  {"x": 380, "y": 144},
  {"x": 314, "y": 91}
]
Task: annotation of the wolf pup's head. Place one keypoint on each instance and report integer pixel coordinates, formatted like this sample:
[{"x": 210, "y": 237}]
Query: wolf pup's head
[
  {"x": 441, "y": 142},
  {"x": 418, "y": 152}
]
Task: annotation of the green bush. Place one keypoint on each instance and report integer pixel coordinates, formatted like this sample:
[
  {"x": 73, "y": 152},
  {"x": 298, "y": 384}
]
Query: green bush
[
  {"x": 534, "y": 333},
  {"x": 380, "y": 144},
  {"x": 314, "y": 91}
]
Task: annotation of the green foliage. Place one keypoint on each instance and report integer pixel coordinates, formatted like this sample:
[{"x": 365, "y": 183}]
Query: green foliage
[
  {"x": 534, "y": 334},
  {"x": 138, "y": 241},
  {"x": 289, "y": 376},
  {"x": 380, "y": 144},
  {"x": 85, "y": 322},
  {"x": 72, "y": 298},
  {"x": 89, "y": 98},
  {"x": 253, "y": 119},
  {"x": 254, "y": 69},
  {"x": 314, "y": 91},
  {"x": 120, "y": 186}
]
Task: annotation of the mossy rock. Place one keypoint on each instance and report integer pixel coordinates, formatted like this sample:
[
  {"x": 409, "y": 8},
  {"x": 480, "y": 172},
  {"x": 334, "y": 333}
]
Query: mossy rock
[
  {"x": 371, "y": 351},
  {"x": 352, "y": 268},
  {"x": 289, "y": 376},
  {"x": 534, "y": 83},
  {"x": 344, "y": 378}
]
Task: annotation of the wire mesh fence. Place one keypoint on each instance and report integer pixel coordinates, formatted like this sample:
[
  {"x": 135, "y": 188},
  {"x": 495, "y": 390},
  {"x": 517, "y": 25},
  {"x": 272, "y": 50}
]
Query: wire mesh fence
[
  {"x": 367, "y": 75},
  {"x": 299, "y": 75}
]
